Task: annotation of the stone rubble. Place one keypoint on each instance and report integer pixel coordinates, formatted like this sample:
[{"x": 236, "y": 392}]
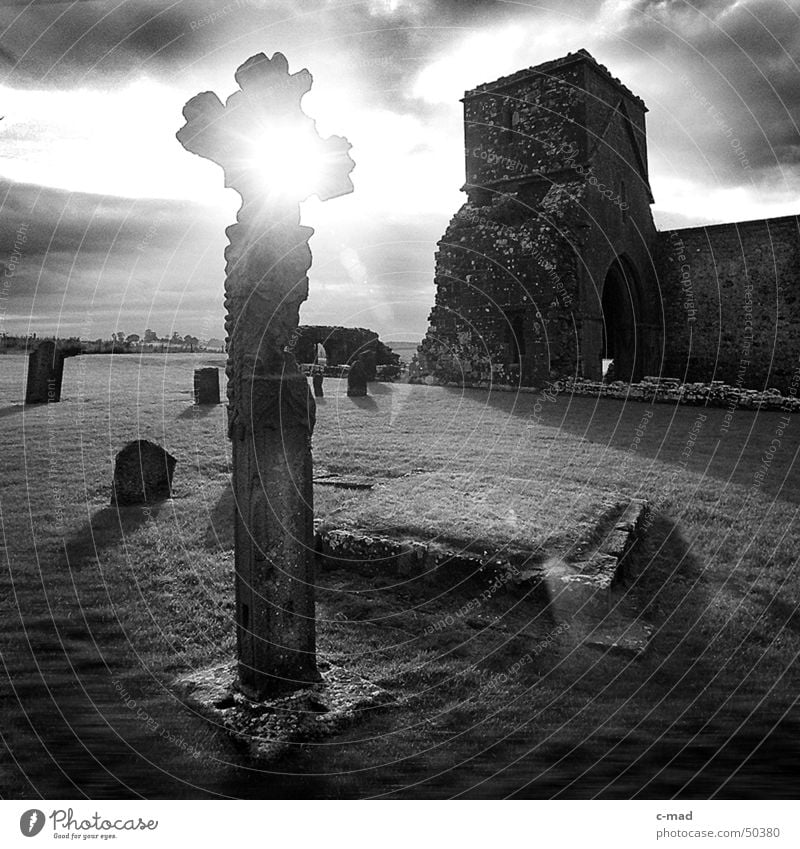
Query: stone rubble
[{"x": 666, "y": 390}]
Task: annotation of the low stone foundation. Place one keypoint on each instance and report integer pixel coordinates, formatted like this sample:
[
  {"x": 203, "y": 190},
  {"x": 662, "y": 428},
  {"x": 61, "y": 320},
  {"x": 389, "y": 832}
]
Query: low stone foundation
[
  {"x": 672, "y": 391},
  {"x": 654, "y": 390},
  {"x": 406, "y": 558}
]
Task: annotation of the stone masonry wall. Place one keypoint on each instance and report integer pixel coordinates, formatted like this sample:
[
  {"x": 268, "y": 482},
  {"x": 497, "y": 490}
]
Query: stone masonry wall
[
  {"x": 528, "y": 272},
  {"x": 731, "y": 294},
  {"x": 496, "y": 262},
  {"x": 526, "y": 129}
]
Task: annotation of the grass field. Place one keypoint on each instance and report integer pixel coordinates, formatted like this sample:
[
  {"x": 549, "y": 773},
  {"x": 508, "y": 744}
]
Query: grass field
[{"x": 96, "y": 603}]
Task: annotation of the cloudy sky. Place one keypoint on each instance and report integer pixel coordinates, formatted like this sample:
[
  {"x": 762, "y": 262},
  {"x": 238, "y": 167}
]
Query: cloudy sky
[{"x": 124, "y": 229}]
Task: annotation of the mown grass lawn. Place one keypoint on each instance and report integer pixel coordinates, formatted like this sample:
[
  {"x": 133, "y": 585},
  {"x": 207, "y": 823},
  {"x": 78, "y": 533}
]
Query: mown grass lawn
[{"x": 92, "y": 597}]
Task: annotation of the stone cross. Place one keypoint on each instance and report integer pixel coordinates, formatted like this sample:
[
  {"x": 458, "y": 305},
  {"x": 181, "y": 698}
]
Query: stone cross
[{"x": 273, "y": 157}]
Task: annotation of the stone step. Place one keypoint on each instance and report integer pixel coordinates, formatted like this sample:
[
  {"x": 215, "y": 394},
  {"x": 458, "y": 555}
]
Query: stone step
[
  {"x": 408, "y": 557},
  {"x": 590, "y": 594}
]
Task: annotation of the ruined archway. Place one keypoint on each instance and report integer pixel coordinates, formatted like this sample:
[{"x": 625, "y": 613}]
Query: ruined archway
[
  {"x": 321, "y": 355},
  {"x": 622, "y": 320},
  {"x": 515, "y": 337},
  {"x": 341, "y": 346}
]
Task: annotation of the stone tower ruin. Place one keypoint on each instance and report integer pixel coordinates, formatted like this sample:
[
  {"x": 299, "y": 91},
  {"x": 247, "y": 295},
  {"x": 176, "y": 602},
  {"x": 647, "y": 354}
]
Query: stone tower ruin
[{"x": 553, "y": 266}]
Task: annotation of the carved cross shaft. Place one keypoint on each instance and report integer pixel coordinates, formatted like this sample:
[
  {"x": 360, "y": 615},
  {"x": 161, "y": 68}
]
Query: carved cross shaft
[{"x": 273, "y": 157}]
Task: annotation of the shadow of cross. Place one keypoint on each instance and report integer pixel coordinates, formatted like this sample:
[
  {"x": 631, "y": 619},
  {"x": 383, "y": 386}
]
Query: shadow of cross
[{"x": 274, "y": 158}]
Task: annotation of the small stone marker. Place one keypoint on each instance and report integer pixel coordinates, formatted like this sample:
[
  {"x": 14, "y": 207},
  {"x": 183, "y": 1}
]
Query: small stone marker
[
  {"x": 45, "y": 372},
  {"x": 316, "y": 379},
  {"x": 142, "y": 473},
  {"x": 357, "y": 379},
  {"x": 206, "y": 385}
]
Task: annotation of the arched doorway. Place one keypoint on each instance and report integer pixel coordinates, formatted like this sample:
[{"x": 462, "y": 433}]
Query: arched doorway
[
  {"x": 515, "y": 337},
  {"x": 621, "y": 319}
]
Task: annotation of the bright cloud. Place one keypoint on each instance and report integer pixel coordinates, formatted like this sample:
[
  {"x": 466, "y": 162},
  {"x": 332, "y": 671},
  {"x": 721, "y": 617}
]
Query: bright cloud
[
  {"x": 710, "y": 204},
  {"x": 480, "y": 57},
  {"x": 389, "y": 75},
  {"x": 108, "y": 142}
]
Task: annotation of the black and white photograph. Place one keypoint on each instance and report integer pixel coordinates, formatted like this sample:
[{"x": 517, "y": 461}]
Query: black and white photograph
[{"x": 400, "y": 400}]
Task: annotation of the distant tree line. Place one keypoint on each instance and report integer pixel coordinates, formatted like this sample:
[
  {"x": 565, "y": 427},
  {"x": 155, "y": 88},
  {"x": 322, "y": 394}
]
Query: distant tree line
[{"x": 118, "y": 343}]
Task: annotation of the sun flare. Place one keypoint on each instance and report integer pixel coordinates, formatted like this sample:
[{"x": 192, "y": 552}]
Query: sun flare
[{"x": 288, "y": 164}]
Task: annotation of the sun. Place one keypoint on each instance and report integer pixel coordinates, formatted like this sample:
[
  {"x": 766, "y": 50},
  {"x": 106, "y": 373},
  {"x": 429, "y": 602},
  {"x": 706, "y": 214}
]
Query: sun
[{"x": 287, "y": 163}]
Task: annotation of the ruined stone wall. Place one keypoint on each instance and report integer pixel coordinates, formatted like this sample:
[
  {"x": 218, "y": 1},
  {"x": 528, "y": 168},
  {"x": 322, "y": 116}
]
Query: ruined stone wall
[
  {"x": 731, "y": 294},
  {"x": 342, "y": 345},
  {"x": 547, "y": 153},
  {"x": 554, "y": 263},
  {"x": 506, "y": 269},
  {"x": 500, "y": 269}
]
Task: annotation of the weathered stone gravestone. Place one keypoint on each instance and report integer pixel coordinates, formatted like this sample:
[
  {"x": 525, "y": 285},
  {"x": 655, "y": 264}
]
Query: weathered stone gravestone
[
  {"x": 142, "y": 473},
  {"x": 273, "y": 157},
  {"x": 45, "y": 373},
  {"x": 357, "y": 379},
  {"x": 317, "y": 379},
  {"x": 206, "y": 386}
]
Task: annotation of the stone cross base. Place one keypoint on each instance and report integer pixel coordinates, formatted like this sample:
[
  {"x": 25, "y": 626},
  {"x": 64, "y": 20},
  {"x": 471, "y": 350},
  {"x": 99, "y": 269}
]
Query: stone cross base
[{"x": 281, "y": 726}]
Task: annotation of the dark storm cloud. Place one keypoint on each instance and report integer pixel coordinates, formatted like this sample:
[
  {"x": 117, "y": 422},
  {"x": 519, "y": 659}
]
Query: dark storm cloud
[
  {"x": 7, "y": 60},
  {"x": 448, "y": 7},
  {"x": 736, "y": 65},
  {"x": 90, "y": 265},
  {"x": 668, "y": 7},
  {"x": 113, "y": 258},
  {"x": 62, "y": 220},
  {"x": 758, "y": 72},
  {"x": 62, "y": 45},
  {"x": 123, "y": 256}
]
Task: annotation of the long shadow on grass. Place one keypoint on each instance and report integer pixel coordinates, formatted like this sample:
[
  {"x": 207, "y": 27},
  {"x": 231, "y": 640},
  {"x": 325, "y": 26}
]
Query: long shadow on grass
[
  {"x": 660, "y": 432},
  {"x": 57, "y": 659},
  {"x": 377, "y": 388},
  {"x": 677, "y": 724},
  {"x": 199, "y": 411},
  {"x": 219, "y": 536},
  {"x": 81, "y": 715},
  {"x": 365, "y": 402},
  {"x": 600, "y": 724},
  {"x": 107, "y": 527},
  {"x": 11, "y": 411}
]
